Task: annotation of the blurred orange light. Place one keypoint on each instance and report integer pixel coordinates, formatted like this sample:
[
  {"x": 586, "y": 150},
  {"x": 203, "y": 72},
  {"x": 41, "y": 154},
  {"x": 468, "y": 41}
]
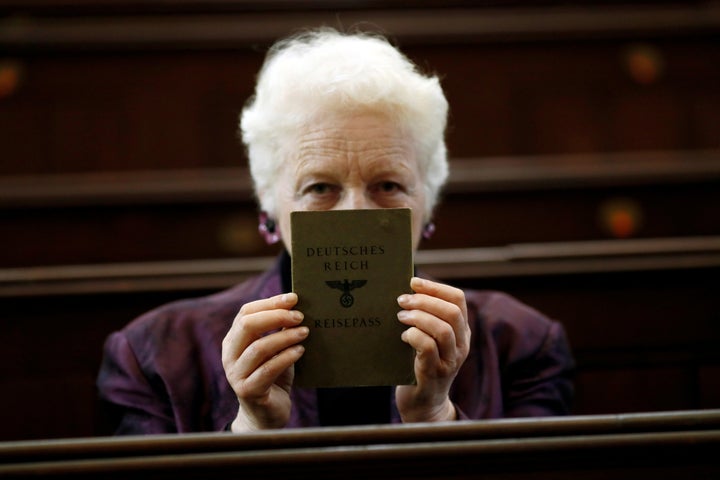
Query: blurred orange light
[
  {"x": 621, "y": 217},
  {"x": 9, "y": 78}
]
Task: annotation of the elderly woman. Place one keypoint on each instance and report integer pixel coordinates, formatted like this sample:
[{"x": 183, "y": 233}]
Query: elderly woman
[{"x": 337, "y": 122}]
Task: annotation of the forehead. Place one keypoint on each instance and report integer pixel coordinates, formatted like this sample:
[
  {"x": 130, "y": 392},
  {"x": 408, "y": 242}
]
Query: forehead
[{"x": 372, "y": 140}]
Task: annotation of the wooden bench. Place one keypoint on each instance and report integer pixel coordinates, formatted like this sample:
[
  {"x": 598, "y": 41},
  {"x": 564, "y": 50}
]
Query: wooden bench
[{"x": 668, "y": 445}]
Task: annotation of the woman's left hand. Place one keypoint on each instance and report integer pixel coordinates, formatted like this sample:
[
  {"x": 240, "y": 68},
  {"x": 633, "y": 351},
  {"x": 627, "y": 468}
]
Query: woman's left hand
[{"x": 436, "y": 315}]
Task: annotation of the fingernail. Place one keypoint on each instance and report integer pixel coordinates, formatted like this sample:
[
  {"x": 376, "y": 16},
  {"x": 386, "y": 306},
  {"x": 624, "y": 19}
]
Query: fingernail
[
  {"x": 417, "y": 281},
  {"x": 402, "y": 315},
  {"x": 297, "y": 315},
  {"x": 303, "y": 331},
  {"x": 403, "y": 299},
  {"x": 289, "y": 297}
]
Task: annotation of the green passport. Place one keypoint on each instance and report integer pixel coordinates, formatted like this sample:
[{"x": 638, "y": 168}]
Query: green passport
[{"x": 348, "y": 268}]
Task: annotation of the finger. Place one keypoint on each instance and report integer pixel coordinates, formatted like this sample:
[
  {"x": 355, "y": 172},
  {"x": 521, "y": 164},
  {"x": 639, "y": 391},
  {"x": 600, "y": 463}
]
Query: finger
[
  {"x": 426, "y": 352},
  {"x": 283, "y": 301},
  {"x": 252, "y": 323},
  {"x": 450, "y": 294},
  {"x": 436, "y": 307},
  {"x": 443, "y": 301},
  {"x": 440, "y": 331},
  {"x": 263, "y": 378},
  {"x": 267, "y": 347},
  {"x": 247, "y": 329}
]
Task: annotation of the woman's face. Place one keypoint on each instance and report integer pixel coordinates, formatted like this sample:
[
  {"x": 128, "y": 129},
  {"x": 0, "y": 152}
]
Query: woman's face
[{"x": 350, "y": 163}]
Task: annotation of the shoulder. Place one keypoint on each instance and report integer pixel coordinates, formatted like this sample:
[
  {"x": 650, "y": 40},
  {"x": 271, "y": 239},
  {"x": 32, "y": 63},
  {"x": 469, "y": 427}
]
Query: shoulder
[
  {"x": 502, "y": 309},
  {"x": 527, "y": 350},
  {"x": 517, "y": 330}
]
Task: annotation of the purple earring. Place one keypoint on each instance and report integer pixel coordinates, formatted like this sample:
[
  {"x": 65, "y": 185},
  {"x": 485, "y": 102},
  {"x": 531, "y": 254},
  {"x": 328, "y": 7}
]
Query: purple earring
[
  {"x": 268, "y": 229},
  {"x": 428, "y": 230}
]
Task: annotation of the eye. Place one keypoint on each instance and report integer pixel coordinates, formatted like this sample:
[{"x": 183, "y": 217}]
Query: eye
[
  {"x": 389, "y": 187},
  {"x": 319, "y": 189}
]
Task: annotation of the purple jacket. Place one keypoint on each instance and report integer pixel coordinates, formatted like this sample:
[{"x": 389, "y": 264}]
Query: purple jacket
[{"x": 164, "y": 373}]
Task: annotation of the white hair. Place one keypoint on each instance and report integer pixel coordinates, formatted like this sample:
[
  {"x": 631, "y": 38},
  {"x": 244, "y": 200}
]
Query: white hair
[{"x": 323, "y": 72}]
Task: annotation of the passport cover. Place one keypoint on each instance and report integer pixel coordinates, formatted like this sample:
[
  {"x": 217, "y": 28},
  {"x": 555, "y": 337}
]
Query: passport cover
[{"x": 348, "y": 268}]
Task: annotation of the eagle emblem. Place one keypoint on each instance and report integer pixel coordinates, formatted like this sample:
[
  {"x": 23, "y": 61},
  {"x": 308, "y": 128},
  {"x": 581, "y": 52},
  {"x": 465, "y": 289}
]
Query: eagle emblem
[{"x": 346, "y": 299}]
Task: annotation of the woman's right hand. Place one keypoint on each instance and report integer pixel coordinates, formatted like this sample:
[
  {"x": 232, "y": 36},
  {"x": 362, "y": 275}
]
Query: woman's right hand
[{"x": 258, "y": 354}]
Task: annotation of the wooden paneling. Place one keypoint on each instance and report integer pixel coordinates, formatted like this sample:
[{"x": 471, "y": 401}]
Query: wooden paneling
[
  {"x": 120, "y": 92},
  {"x": 179, "y": 110},
  {"x": 119, "y": 112},
  {"x": 209, "y": 213},
  {"x": 146, "y": 95},
  {"x": 124, "y": 91},
  {"x": 51, "y": 348}
]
